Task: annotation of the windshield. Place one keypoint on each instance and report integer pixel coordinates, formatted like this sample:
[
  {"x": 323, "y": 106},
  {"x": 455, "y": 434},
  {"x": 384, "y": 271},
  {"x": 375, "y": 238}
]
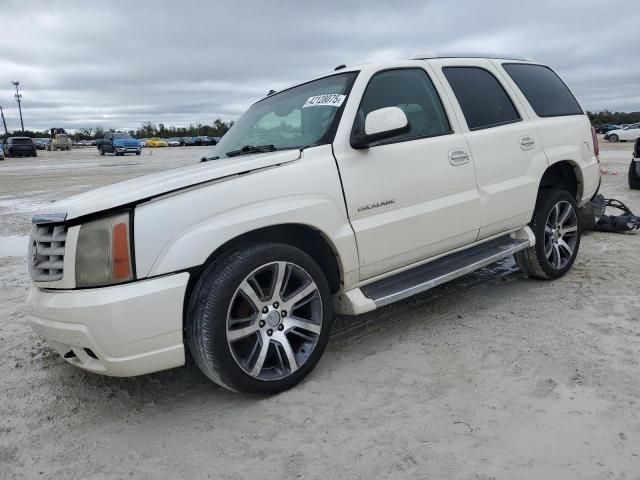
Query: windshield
[
  {"x": 121, "y": 135},
  {"x": 301, "y": 116}
]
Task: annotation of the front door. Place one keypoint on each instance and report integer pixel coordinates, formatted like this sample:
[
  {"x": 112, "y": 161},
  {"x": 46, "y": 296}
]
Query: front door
[{"x": 414, "y": 196}]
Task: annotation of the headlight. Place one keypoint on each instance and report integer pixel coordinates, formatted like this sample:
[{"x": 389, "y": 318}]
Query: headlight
[{"x": 103, "y": 252}]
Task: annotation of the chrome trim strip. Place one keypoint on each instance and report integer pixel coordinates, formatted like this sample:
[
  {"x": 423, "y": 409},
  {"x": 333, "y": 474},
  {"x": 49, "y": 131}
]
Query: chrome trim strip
[
  {"x": 422, "y": 287},
  {"x": 47, "y": 218}
]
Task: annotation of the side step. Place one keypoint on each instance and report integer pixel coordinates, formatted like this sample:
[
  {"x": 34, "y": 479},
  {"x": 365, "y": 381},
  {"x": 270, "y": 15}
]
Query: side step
[{"x": 432, "y": 274}]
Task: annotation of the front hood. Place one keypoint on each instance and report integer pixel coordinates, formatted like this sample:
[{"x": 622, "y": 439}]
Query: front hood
[{"x": 150, "y": 186}]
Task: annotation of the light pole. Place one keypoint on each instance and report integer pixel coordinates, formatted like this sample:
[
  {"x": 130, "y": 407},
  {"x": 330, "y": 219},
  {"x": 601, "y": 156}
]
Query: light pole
[
  {"x": 18, "y": 97},
  {"x": 6, "y": 133}
]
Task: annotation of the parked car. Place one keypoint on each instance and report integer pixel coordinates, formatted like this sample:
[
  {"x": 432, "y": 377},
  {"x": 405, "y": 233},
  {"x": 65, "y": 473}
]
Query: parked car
[
  {"x": 143, "y": 141},
  {"x": 1, "y": 150},
  {"x": 41, "y": 143},
  {"x": 605, "y": 127},
  {"x": 204, "y": 140},
  {"x": 630, "y": 132},
  {"x": 634, "y": 168},
  {"x": 188, "y": 141},
  {"x": 20, "y": 147},
  {"x": 174, "y": 142},
  {"x": 156, "y": 142},
  {"x": 119, "y": 144},
  {"x": 378, "y": 182}
]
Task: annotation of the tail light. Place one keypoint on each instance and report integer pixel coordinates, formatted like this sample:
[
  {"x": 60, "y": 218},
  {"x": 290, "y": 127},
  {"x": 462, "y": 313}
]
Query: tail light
[{"x": 596, "y": 145}]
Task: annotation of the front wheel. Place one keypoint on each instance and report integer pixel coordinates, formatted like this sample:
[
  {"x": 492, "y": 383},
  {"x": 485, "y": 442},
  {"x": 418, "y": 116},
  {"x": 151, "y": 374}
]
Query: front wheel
[
  {"x": 101, "y": 150},
  {"x": 557, "y": 229},
  {"x": 613, "y": 138},
  {"x": 259, "y": 318}
]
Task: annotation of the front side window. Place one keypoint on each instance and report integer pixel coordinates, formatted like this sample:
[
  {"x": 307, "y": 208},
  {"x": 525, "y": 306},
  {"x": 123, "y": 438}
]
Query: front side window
[
  {"x": 302, "y": 116},
  {"x": 483, "y": 100},
  {"x": 543, "y": 89},
  {"x": 411, "y": 90}
]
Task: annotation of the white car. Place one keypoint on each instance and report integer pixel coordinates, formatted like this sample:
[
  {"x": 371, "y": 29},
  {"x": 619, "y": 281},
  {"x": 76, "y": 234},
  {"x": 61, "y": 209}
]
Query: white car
[
  {"x": 342, "y": 194},
  {"x": 630, "y": 132}
]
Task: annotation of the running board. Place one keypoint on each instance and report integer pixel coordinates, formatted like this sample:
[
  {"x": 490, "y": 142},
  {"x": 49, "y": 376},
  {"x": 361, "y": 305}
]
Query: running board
[{"x": 432, "y": 274}]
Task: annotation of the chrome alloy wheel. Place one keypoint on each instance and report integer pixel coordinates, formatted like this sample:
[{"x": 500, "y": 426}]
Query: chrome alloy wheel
[
  {"x": 560, "y": 234},
  {"x": 274, "y": 320}
]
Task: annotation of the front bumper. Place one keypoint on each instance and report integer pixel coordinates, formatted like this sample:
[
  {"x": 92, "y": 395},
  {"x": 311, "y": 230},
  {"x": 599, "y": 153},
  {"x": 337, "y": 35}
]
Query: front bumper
[
  {"x": 122, "y": 331},
  {"x": 128, "y": 149}
]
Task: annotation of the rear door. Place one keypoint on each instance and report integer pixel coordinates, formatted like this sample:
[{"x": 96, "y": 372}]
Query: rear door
[
  {"x": 505, "y": 145},
  {"x": 413, "y": 196}
]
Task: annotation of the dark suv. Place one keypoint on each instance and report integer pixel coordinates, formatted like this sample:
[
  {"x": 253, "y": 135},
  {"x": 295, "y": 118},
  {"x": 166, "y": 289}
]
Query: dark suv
[{"x": 20, "y": 147}]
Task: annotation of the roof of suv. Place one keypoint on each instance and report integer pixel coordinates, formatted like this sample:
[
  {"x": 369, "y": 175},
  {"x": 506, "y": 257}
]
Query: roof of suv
[{"x": 430, "y": 56}]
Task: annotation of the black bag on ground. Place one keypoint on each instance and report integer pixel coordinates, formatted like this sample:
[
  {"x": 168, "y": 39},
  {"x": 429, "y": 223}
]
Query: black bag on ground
[{"x": 593, "y": 216}]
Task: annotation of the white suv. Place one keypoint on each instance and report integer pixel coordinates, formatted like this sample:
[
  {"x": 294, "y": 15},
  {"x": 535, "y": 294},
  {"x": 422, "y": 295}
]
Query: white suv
[{"x": 338, "y": 195}]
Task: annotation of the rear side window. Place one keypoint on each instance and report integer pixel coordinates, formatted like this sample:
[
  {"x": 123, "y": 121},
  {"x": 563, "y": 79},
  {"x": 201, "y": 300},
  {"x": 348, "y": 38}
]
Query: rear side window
[
  {"x": 547, "y": 94},
  {"x": 482, "y": 98},
  {"x": 411, "y": 90}
]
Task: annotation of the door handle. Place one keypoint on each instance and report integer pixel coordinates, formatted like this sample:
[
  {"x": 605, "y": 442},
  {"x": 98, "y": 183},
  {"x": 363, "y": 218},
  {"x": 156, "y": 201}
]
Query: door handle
[
  {"x": 527, "y": 142},
  {"x": 458, "y": 157}
]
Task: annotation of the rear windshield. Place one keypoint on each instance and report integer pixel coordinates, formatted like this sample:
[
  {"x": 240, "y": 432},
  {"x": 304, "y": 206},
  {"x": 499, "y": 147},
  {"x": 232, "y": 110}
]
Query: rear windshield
[
  {"x": 547, "y": 94},
  {"x": 21, "y": 141}
]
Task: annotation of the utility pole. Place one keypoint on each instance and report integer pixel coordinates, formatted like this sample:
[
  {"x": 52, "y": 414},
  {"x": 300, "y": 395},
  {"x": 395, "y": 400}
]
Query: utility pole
[
  {"x": 6, "y": 133},
  {"x": 18, "y": 97}
]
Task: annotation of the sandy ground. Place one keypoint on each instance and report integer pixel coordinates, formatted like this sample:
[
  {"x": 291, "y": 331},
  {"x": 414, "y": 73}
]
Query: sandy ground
[{"x": 492, "y": 376}]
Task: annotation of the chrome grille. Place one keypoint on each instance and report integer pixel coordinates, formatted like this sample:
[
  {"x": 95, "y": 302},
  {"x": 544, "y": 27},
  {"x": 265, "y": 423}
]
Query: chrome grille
[{"x": 46, "y": 252}]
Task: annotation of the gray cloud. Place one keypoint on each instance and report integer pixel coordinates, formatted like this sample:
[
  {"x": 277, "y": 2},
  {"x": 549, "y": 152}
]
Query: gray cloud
[{"x": 125, "y": 62}]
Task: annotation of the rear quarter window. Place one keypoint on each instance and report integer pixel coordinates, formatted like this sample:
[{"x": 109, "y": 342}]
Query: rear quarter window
[{"x": 544, "y": 90}]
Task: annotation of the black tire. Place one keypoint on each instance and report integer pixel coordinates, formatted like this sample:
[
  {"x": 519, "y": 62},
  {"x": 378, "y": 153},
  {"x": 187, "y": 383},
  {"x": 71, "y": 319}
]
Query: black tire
[
  {"x": 634, "y": 179},
  {"x": 209, "y": 304},
  {"x": 101, "y": 150},
  {"x": 137, "y": 153},
  {"x": 613, "y": 138},
  {"x": 533, "y": 261}
]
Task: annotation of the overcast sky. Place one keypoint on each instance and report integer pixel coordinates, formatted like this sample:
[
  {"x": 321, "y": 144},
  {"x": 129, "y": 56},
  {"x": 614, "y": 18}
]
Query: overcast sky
[{"x": 176, "y": 62}]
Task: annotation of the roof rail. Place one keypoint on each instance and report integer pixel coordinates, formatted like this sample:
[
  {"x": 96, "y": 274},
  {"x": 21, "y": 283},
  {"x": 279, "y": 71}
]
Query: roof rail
[{"x": 502, "y": 56}]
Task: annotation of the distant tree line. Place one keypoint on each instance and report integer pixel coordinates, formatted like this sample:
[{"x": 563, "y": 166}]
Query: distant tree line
[
  {"x": 147, "y": 130},
  {"x": 616, "y": 118}
]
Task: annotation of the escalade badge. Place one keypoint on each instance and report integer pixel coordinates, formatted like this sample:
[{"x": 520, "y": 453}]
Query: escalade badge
[{"x": 371, "y": 206}]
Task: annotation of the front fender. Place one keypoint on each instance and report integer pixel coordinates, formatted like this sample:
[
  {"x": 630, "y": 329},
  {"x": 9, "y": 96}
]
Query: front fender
[{"x": 181, "y": 231}]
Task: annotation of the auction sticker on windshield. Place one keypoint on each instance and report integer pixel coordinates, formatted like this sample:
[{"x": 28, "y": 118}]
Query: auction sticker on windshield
[{"x": 327, "y": 100}]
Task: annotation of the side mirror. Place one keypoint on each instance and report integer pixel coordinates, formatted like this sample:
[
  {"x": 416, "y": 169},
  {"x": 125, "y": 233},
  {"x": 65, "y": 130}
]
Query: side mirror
[{"x": 379, "y": 125}]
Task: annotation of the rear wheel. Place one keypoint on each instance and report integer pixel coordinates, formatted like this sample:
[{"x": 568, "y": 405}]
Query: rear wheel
[
  {"x": 259, "y": 318},
  {"x": 557, "y": 229},
  {"x": 634, "y": 178}
]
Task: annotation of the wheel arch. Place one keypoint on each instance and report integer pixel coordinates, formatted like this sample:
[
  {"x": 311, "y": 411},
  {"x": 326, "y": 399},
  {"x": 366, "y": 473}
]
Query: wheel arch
[
  {"x": 307, "y": 238},
  {"x": 565, "y": 175}
]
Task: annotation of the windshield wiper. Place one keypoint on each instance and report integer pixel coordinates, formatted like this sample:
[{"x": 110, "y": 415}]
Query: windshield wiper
[
  {"x": 251, "y": 149},
  {"x": 206, "y": 159}
]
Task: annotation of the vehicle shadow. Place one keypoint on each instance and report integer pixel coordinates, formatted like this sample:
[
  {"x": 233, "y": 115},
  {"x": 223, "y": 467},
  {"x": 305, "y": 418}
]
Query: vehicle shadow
[{"x": 184, "y": 385}]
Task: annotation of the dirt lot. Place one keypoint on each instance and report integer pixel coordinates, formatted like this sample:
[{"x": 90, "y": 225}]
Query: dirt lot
[{"x": 492, "y": 376}]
